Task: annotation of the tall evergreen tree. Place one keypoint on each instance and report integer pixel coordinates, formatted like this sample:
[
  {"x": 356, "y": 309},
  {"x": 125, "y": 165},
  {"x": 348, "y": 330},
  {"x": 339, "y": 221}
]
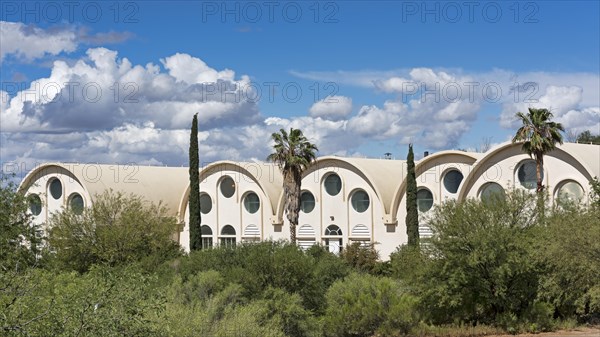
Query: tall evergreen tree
[
  {"x": 412, "y": 213},
  {"x": 194, "y": 199}
]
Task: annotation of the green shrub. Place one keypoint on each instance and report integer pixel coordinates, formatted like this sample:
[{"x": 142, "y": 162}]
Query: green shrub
[
  {"x": 482, "y": 266},
  {"x": 116, "y": 230},
  {"x": 362, "y": 305}
]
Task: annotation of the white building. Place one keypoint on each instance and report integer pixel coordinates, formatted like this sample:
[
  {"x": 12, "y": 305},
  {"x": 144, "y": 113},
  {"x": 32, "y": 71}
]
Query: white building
[{"x": 344, "y": 200}]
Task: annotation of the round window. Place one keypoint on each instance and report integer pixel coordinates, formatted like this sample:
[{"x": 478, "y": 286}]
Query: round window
[
  {"x": 333, "y": 184},
  {"x": 76, "y": 203},
  {"x": 227, "y": 187},
  {"x": 570, "y": 192},
  {"x": 307, "y": 202},
  {"x": 452, "y": 180},
  {"x": 527, "y": 174},
  {"x": 424, "y": 200},
  {"x": 205, "y": 203},
  {"x": 360, "y": 201},
  {"x": 56, "y": 189},
  {"x": 35, "y": 204},
  {"x": 492, "y": 192},
  {"x": 252, "y": 203}
]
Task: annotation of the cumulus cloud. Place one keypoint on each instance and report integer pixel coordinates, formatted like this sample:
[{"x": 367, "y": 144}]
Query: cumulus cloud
[
  {"x": 103, "y": 92},
  {"x": 29, "y": 42},
  {"x": 332, "y": 108},
  {"x": 565, "y": 103}
]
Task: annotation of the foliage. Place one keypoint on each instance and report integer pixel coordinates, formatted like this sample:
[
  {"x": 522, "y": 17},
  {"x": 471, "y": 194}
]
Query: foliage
[
  {"x": 117, "y": 229},
  {"x": 194, "y": 199},
  {"x": 104, "y": 302},
  {"x": 586, "y": 137},
  {"x": 482, "y": 266},
  {"x": 257, "y": 267},
  {"x": 595, "y": 192},
  {"x": 20, "y": 238},
  {"x": 412, "y": 213},
  {"x": 360, "y": 257},
  {"x": 364, "y": 305},
  {"x": 539, "y": 136},
  {"x": 571, "y": 254},
  {"x": 293, "y": 153}
]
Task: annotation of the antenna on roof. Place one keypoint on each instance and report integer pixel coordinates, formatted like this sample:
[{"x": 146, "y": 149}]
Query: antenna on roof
[{"x": 387, "y": 155}]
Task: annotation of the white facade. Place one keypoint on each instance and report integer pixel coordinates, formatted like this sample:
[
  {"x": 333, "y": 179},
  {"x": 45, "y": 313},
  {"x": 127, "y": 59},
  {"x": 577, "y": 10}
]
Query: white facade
[{"x": 344, "y": 200}]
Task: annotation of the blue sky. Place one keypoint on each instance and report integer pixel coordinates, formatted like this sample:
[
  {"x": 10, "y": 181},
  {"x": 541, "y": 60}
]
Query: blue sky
[{"x": 373, "y": 76}]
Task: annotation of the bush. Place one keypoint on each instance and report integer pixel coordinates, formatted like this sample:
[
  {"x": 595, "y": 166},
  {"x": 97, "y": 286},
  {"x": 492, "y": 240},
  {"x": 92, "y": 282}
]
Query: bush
[
  {"x": 116, "y": 230},
  {"x": 363, "y": 259},
  {"x": 482, "y": 266},
  {"x": 362, "y": 305},
  {"x": 571, "y": 255}
]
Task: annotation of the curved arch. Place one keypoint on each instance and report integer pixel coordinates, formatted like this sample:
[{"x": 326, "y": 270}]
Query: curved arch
[
  {"x": 355, "y": 167},
  {"x": 38, "y": 172},
  {"x": 239, "y": 168},
  {"x": 480, "y": 165},
  {"x": 468, "y": 158}
]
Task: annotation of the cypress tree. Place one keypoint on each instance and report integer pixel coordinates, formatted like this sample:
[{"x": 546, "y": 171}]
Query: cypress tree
[
  {"x": 194, "y": 199},
  {"x": 412, "y": 214}
]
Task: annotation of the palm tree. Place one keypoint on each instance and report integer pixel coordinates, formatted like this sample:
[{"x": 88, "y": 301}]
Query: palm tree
[
  {"x": 293, "y": 153},
  {"x": 539, "y": 136}
]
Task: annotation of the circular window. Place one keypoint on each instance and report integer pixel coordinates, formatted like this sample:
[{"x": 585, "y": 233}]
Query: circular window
[
  {"x": 527, "y": 174},
  {"x": 307, "y": 202},
  {"x": 360, "y": 201},
  {"x": 76, "y": 203},
  {"x": 251, "y": 202},
  {"x": 570, "y": 192},
  {"x": 56, "y": 189},
  {"x": 205, "y": 203},
  {"x": 333, "y": 184},
  {"x": 35, "y": 204},
  {"x": 424, "y": 200},
  {"x": 227, "y": 187},
  {"x": 492, "y": 192},
  {"x": 452, "y": 180}
]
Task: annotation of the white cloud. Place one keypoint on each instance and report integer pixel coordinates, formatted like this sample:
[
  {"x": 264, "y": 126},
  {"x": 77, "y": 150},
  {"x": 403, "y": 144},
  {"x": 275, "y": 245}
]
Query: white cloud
[
  {"x": 332, "y": 108},
  {"x": 103, "y": 92},
  {"x": 566, "y": 104},
  {"x": 29, "y": 42}
]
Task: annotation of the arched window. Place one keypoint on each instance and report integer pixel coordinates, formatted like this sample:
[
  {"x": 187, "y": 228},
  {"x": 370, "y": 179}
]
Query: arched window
[
  {"x": 452, "y": 180},
  {"x": 227, "y": 237},
  {"x": 334, "y": 240},
  {"x": 307, "y": 202},
  {"x": 360, "y": 201},
  {"x": 333, "y": 184},
  {"x": 306, "y": 236},
  {"x": 251, "y": 233},
  {"x": 424, "y": 200},
  {"x": 207, "y": 236},
  {"x": 227, "y": 187},
  {"x": 251, "y": 203},
  {"x": 56, "y": 189}
]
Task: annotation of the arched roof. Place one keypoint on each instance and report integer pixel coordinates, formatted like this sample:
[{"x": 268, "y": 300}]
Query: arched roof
[
  {"x": 586, "y": 155},
  {"x": 381, "y": 174},
  {"x": 266, "y": 175},
  {"x": 467, "y": 157},
  {"x": 153, "y": 183}
]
